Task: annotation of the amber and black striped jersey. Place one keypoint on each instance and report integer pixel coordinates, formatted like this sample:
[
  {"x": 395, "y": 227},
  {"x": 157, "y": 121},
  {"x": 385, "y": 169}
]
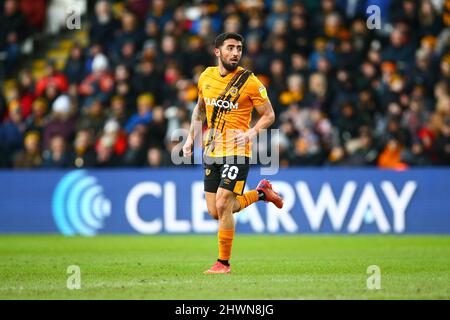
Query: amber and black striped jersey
[{"x": 229, "y": 104}]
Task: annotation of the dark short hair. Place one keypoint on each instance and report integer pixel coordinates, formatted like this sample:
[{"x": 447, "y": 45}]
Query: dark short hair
[{"x": 220, "y": 39}]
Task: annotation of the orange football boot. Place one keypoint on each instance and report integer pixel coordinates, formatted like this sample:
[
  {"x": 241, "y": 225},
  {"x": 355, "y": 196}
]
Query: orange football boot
[{"x": 218, "y": 268}]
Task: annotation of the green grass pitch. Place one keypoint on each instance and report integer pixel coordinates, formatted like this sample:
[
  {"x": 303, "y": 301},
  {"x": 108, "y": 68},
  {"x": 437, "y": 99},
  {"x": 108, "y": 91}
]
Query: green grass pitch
[{"x": 263, "y": 267}]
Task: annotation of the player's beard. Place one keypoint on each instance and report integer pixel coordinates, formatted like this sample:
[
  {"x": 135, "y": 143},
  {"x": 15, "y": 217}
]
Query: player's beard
[{"x": 228, "y": 66}]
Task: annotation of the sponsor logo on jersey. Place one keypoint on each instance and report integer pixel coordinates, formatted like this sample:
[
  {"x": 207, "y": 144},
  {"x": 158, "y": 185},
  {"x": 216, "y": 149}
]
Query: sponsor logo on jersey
[
  {"x": 221, "y": 103},
  {"x": 233, "y": 91},
  {"x": 263, "y": 92}
]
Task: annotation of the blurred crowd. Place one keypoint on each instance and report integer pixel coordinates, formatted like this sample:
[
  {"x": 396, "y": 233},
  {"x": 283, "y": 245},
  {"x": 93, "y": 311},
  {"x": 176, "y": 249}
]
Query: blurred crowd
[
  {"x": 344, "y": 94},
  {"x": 19, "y": 20}
]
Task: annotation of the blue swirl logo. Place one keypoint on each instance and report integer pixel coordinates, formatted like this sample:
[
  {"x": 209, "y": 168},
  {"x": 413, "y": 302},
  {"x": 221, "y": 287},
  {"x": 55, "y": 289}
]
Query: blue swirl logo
[{"x": 78, "y": 204}]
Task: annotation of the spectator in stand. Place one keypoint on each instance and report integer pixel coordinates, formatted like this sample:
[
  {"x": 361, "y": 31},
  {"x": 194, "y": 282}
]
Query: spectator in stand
[
  {"x": 145, "y": 104},
  {"x": 322, "y": 49},
  {"x": 160, "y": 12},
  {"x": 318, "y": 95},
  {"x": 38, "y": 118},
  {"x": 277, "y": 74},
  {"x": 128, "y": 33},
  {"x": 13, "y": 30},
  {"x": 62, "y": 121},
  {"x": 51, "y": 92},
  {"x": 12, "y": 131},
  {"x": 390, "y": 157},
  {"x": 83, "y": 150},
  {"x": 258, "y": 57},
  {"x": 56, "y": 156},
  {"x": 14, "y": 93},
  {"x": 100, "y": 83},
  {"x": 416, "y": 155},
  {"x": 75, "y": 69},
  {"x": 170, "y": 51},
  {"x": 196, "y": 54},
  {"x": 349, "y": 122},
  {"x": 300, "y": 34},
  {"x": 93, "y": 117},
  {"x": 152, "y": 30},
  {"x": 106, "y": 157},
  {"x": 155, "y": 158},
  {"x": 104, "y": 27},
  {"x": 295, "y": 90},
  {"x": 30, "y": 157},
  {"x": 119, "y": 110},
  {"x": 53, "y": 77},
  {"x": 149, "y": 79},
  {"x": 307, "y": 148},
  {"x": 157, "y": 129},
  {"x": 442, "y": 144},
  {"x": 26, "y": 91},
  {"x": 112, "y": 136},
  {"x": 400, "y": 49},
  {"x": 429, "y": 21},
  {"x": 127, "y": 55},
  {"x": 135, "y": 154},
  {"x": 361, "y": 151}
]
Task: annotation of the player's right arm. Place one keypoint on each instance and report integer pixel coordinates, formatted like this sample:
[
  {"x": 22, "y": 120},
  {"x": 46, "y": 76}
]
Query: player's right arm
[{"x": 197, "y": 119}]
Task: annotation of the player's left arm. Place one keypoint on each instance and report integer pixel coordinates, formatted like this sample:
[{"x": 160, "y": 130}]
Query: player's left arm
[
  {"x": 267, "y": 117},
  {"x": 260, "y": 101}
]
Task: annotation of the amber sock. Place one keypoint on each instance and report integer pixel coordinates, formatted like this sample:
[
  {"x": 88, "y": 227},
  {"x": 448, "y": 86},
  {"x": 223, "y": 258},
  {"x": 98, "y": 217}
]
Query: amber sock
[
  {"x": 247, "y": 199},
  {"x": 225, "y": 243}
]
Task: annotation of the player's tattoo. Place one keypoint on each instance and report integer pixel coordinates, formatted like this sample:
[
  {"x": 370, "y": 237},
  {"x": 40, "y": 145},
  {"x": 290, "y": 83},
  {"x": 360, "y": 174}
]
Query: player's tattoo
[
  {"x": 199, "y": 112},
  {"x": 198, "y": 115}
]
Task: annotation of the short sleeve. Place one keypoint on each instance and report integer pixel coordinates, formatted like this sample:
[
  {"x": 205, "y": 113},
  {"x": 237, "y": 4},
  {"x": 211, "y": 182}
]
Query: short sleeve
[{"x": 257, "y": 91}]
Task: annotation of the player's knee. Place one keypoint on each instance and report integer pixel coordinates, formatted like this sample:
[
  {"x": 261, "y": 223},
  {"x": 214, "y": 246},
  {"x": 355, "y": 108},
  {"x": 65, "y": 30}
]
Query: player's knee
[{"x": 222, "y": 207}]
